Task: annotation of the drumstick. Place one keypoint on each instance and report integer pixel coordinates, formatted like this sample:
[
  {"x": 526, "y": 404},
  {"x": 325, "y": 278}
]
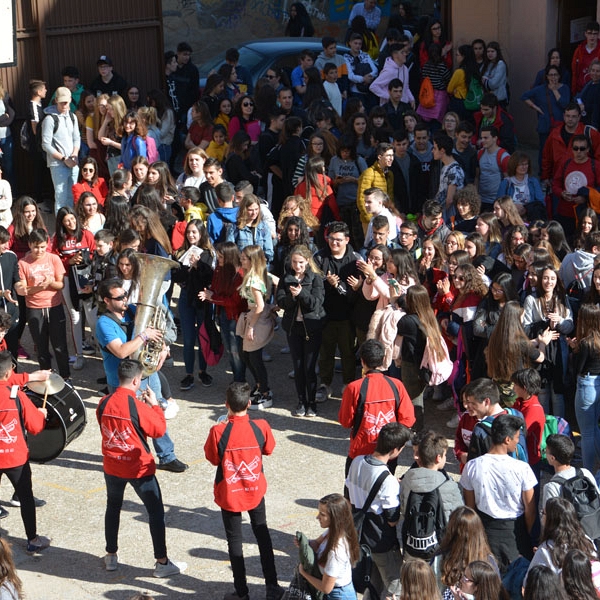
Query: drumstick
[{"x": 45, "y": 397}]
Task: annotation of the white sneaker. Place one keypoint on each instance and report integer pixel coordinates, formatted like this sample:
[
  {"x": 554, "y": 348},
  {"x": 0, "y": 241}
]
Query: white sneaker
[
  {"x": 285, "y": 350},
  {"x": 171, "y": 410},
  {"x": 171, "y": 567},
  {"x": 453, "y": 422},
  {"x": 78, "y": 364},
  {"x": 292, "y": 374},
  {"x": 446, "y": 404},
  {"x": 323, "y": 392},
  {"x": 111, "y": 562},
  {"x": 266, "y": 356}
]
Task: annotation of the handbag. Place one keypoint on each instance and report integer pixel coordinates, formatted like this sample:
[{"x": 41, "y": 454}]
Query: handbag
[
  {"x": 361, "y": 68},
  {"x": 361, "y": 572},
  {"x": 426, "y": 95},
  {"x": 298, "y": 589}
]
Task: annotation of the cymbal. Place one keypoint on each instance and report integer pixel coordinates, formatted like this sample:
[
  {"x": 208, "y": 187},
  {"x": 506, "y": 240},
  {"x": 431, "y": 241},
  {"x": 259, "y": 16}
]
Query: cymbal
[{"x": 53, "y": 385}]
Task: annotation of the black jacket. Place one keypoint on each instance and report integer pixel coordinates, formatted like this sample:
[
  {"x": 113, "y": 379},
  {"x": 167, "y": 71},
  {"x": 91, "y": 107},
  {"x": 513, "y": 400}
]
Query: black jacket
[{"x": 309, "y": 301}]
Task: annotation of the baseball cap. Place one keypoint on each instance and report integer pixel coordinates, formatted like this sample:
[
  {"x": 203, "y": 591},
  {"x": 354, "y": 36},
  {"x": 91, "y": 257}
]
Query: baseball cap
[
  {"x": 63, "y": 94},
  {"x": 104, "y": 60}
]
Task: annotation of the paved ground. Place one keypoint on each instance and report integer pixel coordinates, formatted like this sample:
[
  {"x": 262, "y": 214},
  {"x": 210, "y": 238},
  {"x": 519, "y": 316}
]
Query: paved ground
[{"x": 308, "y": 463}]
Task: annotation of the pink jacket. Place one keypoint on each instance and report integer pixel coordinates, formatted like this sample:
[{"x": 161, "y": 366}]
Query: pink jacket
[{"x": 391, "y": 71}]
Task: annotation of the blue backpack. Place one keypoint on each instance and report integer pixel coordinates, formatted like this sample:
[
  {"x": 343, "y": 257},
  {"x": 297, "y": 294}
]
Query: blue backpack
[{"x": 521, "y": 450}]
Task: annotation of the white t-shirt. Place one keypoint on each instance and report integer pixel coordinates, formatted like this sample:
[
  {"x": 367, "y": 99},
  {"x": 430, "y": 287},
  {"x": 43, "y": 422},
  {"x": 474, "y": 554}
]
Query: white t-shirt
[
  {"x": 498, "y": 481},
  {"x": 338, "y": 563}
]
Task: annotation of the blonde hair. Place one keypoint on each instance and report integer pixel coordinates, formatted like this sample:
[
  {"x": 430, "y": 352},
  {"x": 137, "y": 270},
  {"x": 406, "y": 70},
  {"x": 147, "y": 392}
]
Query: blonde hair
[
  {"x": 119, "y": 111},
  {"x": 98, "y": 117},
  {"x": 305, "y": 212},
  {"x": 148, "y": 114},
  {"x": 305, "y": 253},
  {"x": 258, "y": 266}
]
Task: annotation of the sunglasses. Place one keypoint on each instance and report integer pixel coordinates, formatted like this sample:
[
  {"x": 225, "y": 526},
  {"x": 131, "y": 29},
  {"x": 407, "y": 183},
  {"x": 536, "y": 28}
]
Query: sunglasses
[
  {"x": 120, "y": 298},
  {"x": 270, "y": 76},
  {"x": 247, "y": 104},
  {"x": 459, "y": 278},
  {"x": 88, "y": 170},
  {"x": 579, "y": 148}
]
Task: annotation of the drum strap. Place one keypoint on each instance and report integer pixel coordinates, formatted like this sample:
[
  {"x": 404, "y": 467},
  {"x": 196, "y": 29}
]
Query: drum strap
[
  {"x": 20, "y": 409},
  {"x": 134, "y": 416}
]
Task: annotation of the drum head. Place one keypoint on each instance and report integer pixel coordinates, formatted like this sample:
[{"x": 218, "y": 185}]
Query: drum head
[
  {"x": 54, "y": 384},
  {"x": 66, "y": 420}
]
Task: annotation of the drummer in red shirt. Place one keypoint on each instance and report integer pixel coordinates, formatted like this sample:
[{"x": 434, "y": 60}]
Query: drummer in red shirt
[
  {"x": 17, "y": 412},
  {"x": 125, "y": 422}
]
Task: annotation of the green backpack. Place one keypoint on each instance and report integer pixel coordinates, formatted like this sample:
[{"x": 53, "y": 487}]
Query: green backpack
[{"x": 474, "y": 95}]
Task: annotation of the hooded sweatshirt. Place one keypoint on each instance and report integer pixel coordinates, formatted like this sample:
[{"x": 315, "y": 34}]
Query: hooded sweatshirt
[
  {"x": 423, "y": 480},
  {"x": 577, "y": 265}
]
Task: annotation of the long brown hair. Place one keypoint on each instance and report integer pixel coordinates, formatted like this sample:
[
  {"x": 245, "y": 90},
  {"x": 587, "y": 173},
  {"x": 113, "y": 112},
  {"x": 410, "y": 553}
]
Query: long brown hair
[
  {"x": 464, "y": 542},
  {"x": 418, "y": 581},
  {"x": 418, "y": 303},
  {"x": 8, "y": 571},
  {"x": 242, "y": 218},
  {"x": 341, "y": 526},
  {"x": 19, "y": 225},
  {"x": 148, "y": 225},
  {"x": 473, "y": 282},
  {"x": 563, "y": 529},
  {"x": 508, "y": 345},
  {"x": 315, "y": 178},
  {"x": 588, "y": 327}
]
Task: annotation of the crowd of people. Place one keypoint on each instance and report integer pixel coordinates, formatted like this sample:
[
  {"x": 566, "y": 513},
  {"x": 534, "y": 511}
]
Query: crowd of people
[{"x": 379, "y": 195}]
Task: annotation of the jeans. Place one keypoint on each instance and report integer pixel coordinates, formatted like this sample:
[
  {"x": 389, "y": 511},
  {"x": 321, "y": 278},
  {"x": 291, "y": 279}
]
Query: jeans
[
  {"x": 163, "y": 446},
  {"x": 148, "y": 491},
  {"x": 304, "y": 358},
  {"x": 63, "y": 179},
  {"x": 74, "y": 313},
  {"x": 341, "y": 593},
  {"x": 164, "y": 151},
  {"x": 233, "y": 346},
  {"x": 233, "y": 530},
  {"x": 49, "y": 325},
  {"x": 340, "y": 334},
  {"x": 587, "y": 409},
  {"x": 385, "y": 573},
  {"x": 191, "y": 318}
]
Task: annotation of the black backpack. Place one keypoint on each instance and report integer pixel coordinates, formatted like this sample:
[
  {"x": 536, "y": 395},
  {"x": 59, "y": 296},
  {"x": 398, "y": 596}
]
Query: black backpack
[
  {"x": 583, "y": 495},
  {"x": 424, "y": 522}
]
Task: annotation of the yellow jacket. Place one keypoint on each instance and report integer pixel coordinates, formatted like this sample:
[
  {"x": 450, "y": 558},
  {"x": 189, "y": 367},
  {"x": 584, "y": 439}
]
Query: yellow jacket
[
  {"x": 373, "y": 177},
  {"x": 458, "y": 85}
]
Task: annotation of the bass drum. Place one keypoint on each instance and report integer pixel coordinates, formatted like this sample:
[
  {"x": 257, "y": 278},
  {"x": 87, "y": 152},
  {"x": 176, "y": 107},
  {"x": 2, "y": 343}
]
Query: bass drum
[{"x": 65, "y": 421}]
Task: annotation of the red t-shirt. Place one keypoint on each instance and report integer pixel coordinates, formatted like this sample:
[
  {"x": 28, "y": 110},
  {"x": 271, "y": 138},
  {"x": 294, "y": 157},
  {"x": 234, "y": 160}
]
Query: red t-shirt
[
  {"x": 240, "y": 483},
  {"x": 124, "y": 453},
  {"x": 13, "y": 446},
  {"x": 380, "y": 408},
  {"x": 535, "y": 420},
  {"x": 34, "y": 272}
]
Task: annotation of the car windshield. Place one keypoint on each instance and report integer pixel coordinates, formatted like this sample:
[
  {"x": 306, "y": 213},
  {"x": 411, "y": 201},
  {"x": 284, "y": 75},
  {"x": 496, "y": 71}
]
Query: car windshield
[{"x": 248, "y": 57}]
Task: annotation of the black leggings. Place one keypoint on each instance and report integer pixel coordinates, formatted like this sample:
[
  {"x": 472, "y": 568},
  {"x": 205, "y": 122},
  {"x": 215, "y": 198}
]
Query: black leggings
[
  {"x": 254, "y": 362},
  {"x": 305, "y": 354}
]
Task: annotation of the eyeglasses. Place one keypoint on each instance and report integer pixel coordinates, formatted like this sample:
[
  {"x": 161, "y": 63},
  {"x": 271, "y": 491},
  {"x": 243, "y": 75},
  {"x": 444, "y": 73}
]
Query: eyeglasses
[
  {"x": 270, "y": 76},
  {"x": 459, "y": 278},
  {"x": 579, "y": 148},
  {"x": 337, "y": 240},
  {"x": 120, "y": 298},
  {"x": 246, "y": 104}
]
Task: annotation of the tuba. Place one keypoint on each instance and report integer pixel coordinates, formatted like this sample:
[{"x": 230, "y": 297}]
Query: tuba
[{"x": 150, "y": 312}]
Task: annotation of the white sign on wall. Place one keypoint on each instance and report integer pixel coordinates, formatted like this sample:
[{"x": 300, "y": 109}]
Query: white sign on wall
[{"x": 8, "y": 33}]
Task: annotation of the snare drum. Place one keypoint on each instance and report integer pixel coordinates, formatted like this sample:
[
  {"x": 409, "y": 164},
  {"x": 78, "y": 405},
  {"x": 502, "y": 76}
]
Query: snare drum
[{"x": 65, "y": 421}]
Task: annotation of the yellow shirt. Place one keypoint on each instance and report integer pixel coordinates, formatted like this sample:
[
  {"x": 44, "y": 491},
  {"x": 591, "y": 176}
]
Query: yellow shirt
[{"x": 218, "y": 151}]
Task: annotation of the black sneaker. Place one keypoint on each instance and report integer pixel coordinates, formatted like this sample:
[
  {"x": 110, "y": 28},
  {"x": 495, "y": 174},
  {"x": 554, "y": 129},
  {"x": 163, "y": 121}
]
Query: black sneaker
[
  {"x": 3, "y": 513},
  {"x": 187, "y": 383},
  {"x": 205, "y": 378},
  {"x": 16, "y": 502},
  {"x": 175, "y": 466},
  {"x": 261, "y": 402},
  {"x": 300, "y": 410}
]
